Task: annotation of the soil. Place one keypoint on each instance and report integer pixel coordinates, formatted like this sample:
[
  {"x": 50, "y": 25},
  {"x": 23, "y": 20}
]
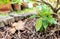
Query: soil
[{"x": 52, "y": 32}]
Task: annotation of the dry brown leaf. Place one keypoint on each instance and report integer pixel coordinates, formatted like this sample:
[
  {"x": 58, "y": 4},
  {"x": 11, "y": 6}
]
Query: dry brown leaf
[
  {"x": 19, "y": 25},
  {"x": 12, "y": 30}
]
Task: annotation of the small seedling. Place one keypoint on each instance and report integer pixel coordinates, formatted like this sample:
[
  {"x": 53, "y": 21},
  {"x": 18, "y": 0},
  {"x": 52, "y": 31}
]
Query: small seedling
[{"x": 45, "y": 18}]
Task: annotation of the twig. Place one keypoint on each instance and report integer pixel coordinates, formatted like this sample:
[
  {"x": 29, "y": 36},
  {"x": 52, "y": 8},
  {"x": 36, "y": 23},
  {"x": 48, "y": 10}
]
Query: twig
[
  {"x": 48, "y": 4},
  {"x": 58, "y": 9},
  {"x": 55, "y": 10}
]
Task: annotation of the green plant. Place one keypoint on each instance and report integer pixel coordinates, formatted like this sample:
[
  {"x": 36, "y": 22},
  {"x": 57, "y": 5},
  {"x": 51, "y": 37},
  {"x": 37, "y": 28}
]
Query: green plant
[
  {"x": 16, "y": 1},
  {"x": 45, "y": 18},
  {"x": 4, "y": 14},
  {"x": 4, "y": 1}
]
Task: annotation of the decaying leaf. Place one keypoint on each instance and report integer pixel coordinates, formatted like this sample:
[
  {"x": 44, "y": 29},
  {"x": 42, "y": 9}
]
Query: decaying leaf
[
  {"x": 19, "y": 25},
  {"x": 12, "y": 30}
]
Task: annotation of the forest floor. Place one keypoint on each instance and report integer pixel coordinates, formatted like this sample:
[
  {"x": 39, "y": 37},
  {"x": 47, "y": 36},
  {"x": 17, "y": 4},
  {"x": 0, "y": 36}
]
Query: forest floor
[{"x": 29, "y": 32}]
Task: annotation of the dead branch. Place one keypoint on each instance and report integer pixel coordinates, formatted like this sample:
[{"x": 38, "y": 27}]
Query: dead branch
[
  {"x": 48, "y": 4},
  {"x": 57, "y": 3},
  {"x": 58, "y": 9},
  {"x": 55, "y": 10}
]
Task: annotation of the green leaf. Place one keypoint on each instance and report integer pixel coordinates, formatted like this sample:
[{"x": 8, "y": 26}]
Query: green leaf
[
  {"x": 34, "y": 16},
  {"x": 41, "y": 29},
  {"x": 45, "y": 24},
  {"x": 38, "y": 24},
  {"x": 51, "y": 20},
  {"x": 4, "y": 1},
  {"x": 45, "y": 10},
  {"x": 16, "y": 1}
]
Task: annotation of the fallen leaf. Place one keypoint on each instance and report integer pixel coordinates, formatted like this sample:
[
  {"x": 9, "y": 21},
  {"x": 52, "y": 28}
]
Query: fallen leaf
[
  {"x": 12, "y": 30},
  {"x": 19, "y": 25}
]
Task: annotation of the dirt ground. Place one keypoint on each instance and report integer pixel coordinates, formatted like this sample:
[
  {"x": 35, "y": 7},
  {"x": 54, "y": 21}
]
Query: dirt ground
[{"x": 52, "y": 32}]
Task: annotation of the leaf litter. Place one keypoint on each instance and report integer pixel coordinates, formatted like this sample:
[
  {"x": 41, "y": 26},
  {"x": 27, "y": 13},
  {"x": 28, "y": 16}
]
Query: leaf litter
[{"x": 26, "y": 30}]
